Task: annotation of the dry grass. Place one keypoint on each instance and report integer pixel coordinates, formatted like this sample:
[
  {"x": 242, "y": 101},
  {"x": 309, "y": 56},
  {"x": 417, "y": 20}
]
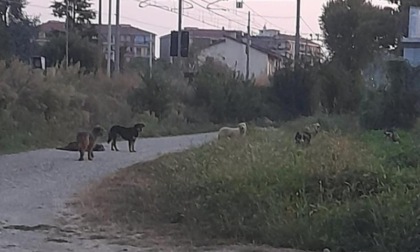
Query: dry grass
[{"x": 340, "y": 192}]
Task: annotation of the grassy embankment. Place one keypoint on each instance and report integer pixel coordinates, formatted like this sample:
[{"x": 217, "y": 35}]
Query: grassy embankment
[{"x": 351, "y": 189}]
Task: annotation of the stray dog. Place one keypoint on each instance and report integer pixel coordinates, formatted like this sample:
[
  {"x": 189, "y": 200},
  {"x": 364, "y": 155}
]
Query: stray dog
[
  {"x": 303, "y": 137},
  {"x": 128, "y": 134},
  {"x": 74, "y": 146},
  {"x": 392, "y": 135},
  {"x": 232, "y": 132},
  {"x": 86, "y": 141},
  {"x": 307, "y": 134}
]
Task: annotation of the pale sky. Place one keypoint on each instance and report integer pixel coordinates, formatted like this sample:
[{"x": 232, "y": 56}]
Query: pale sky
[{"x": 275, "y": 14}]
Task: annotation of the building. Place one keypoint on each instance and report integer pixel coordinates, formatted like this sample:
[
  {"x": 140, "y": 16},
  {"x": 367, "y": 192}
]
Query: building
[
  {"x": 231, "y": 51},
  {"x": 136, "y": 43},
  {"x": 411, "y": 44},
  {"x": 200, "y": 38},
  {"x": 284, "y": 45}
]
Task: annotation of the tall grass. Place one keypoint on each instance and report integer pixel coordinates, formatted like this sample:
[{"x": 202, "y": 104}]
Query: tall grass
[{"x": 341, "y": 192}]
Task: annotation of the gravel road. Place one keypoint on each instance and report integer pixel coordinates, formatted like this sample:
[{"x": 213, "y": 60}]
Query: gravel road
[{"x": 35, "y": 185}]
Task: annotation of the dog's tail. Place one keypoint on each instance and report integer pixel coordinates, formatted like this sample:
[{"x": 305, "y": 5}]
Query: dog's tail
[{"x": 109, "y": 137}]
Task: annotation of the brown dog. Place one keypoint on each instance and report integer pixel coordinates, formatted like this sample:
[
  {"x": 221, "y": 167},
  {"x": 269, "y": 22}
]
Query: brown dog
[{"x": 86, "y": 141}]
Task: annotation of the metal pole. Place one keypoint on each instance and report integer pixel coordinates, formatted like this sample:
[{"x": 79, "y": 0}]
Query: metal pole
[
  {"x": 108, "y": 69},
  {"x": 150, "y": 55},
  {"x": 100, "y": 13},
  {"x": 179, "y": 29},
  {"x": 117, "y": 38},
  {"x": 67, "y": 34},
  {"x": 247, "y": 44},
  {"x": 297, "y": 37}
]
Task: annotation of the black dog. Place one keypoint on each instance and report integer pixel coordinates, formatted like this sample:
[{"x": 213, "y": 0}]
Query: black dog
[
  {"x": 392, "y": 135},
  {"x": 303, "y": 137},
  {"x": 74, "y": 146},
  {"x": 129, "y": 134}
]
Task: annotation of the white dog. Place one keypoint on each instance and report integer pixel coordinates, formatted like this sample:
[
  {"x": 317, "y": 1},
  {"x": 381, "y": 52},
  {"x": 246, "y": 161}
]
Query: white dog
[{"x": 232, "y": 132}]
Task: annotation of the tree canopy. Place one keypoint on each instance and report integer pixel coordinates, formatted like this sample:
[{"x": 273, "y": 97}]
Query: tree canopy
[{"x": 355, "y": 29}]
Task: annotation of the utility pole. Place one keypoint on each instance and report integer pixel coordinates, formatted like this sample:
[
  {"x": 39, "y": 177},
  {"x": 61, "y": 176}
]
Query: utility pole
[
  {"x": 150, "y": 55},
  {"x": 248, "y": 37},
  {"x": 297, "y": 37},
  {"x": 117, "y": 38},
  {"x": 100, "y": 13},
  {"x": 108, "y": 69},
  {"x": 67, "y": 34},
  {"x": 179, "y": 29}
]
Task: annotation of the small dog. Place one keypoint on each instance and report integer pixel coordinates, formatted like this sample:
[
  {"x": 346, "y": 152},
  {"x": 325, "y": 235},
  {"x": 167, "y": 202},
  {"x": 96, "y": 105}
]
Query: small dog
[
  {"x": 307, "y": 134},
  {"x": 74, "y": 146},
  {"x": 128, "y": 134},
  {"x": 303, "y": 137},
  {"x": 392, "y": 135},
  {"x": 86, "y": 141}
]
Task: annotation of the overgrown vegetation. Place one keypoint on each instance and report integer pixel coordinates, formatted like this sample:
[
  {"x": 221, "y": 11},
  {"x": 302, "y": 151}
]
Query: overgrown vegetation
[{"x": 358, "y": 192}]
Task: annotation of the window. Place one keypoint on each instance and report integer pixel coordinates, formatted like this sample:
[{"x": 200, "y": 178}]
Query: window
[
  {"x": 139, "y": 39},
  {"x": 122, "y": 38},
  {"x": 142, "y": 39},
  {"x": 143, "y": 52},
  {"x": 128, "y": 38}
]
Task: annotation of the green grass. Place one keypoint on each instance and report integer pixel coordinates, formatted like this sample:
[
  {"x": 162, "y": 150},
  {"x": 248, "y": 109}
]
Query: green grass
[{"x": 358, "y": 192}]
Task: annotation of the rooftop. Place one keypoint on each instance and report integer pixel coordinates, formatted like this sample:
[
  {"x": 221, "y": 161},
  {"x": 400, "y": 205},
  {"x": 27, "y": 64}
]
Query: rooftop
[{"x": 125, "y": 29}]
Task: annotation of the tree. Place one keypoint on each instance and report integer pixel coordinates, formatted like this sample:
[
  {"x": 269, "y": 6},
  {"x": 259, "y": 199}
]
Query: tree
[
  {"x": 80, "y": 14},
  {"x": 81, "y": 50},
  {"x": 22, "y": 38},
  {"x": 17, "y": 31},
  {"x": 11, "y": 11},
  {"x": 355, "y": 30}
]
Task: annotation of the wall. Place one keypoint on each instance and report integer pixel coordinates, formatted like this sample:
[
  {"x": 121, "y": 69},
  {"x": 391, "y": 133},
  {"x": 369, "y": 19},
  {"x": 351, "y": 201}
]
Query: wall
[
  {"x": 233, "y": 54},
  {"x": 164, "y": 48}
]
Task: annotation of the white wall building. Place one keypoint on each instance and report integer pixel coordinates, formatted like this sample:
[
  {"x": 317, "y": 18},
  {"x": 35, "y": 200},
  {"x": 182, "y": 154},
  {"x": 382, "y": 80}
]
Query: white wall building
[
  {"x": 411, "y": 44},
  {"x": 232, "y": 52}
]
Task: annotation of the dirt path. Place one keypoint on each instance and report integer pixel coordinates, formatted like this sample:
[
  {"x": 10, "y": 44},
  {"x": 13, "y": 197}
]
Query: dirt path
[{"x": 34, "y": 187}]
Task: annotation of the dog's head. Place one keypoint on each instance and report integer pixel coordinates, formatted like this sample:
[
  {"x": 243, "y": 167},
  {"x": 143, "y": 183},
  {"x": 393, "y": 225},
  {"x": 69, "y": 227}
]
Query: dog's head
[
  {"x": 316, "y": 127},
  {"x": 242, "y": 128},
  {"x": 98, "y": 130},
  {"x": 139, "y": 126},
  {"x": 299, "y": 138}
]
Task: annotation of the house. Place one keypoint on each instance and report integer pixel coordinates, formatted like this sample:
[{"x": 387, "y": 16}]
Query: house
[
  {"x": 199, "y": 38},
  {"x": 232, "y": 52},
  {"x": 284, "y": 44},
  {"x": 135, "y": 41},
  {"x": 411, "y": 44}
]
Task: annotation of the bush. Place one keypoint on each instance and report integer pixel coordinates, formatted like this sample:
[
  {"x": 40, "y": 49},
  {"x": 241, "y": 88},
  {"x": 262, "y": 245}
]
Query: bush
[
  {"x": 43, "y": 111},
  {"x": 396, "y": 105}
]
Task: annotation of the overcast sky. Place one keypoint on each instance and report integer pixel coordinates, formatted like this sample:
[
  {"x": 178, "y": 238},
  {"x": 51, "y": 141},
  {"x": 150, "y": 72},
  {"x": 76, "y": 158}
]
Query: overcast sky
[{"x": 275, "y": 14}]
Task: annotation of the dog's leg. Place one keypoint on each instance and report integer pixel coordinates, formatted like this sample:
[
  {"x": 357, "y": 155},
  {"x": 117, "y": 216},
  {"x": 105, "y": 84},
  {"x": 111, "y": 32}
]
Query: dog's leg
[
  {"x": 114, "y": 142},
  {"x": 90, "y": 154},
  {"x": 132, "y": 145},
  {"x": 82, "y": 153},
  {"x": 129, "y": 145}
]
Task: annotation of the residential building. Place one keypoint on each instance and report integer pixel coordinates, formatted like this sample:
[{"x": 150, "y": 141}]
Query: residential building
[
  {"x": 135, "y": 42},
  {"x": 284, "y": 45},
  {"x": 231, "y": 52},
  {"x": 199, "y": 38},
  {"x": 411, "y": 44}
]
